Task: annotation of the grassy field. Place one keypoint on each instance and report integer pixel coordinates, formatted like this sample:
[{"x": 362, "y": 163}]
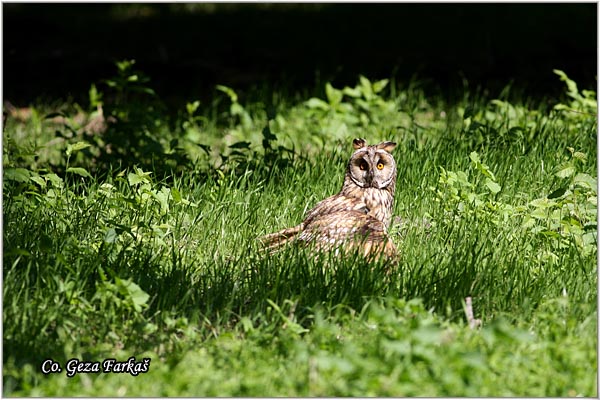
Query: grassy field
[{"x": 130, "y": 231}]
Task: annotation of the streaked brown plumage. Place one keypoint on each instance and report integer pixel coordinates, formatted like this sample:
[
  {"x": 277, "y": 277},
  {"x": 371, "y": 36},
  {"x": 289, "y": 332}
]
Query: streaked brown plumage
[{"x": 359, "y": 216}]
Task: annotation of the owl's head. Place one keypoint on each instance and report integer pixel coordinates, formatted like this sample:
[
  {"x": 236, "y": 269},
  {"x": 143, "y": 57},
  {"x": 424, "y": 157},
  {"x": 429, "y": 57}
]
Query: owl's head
[{"x": 372, "y": 166}]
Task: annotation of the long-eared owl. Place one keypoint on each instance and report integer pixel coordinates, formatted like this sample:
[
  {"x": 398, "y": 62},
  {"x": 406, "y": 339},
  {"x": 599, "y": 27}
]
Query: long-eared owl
[{"x": 358, "y": 217}]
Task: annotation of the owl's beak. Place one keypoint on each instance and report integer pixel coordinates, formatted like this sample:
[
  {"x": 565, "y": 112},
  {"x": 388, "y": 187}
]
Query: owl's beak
[{"x": 369, "y": 180}]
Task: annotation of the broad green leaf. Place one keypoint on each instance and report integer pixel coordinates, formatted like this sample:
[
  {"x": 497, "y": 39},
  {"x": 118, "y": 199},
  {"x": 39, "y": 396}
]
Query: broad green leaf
[
  {"x": 380, "y": 85},
  {"x": 134, "y": 179},
  {"x": 475, "y": 157},
  {"x": 39, "y": 180},
  {"x": 125, "y": 64},
  {"x": 461, "y": 177},
  {"x": 138, "y": 177},
  {"x": 366, "y": 87},
  {"x": 17, "y": 174},
  {"x": 163, "y": 198},
  {"x": 352, "y": 92},
  {"x": 566, "y": 172},
  {"x": 542, "y": 203},
  {"x": 55, "y": 180},
  {"x": 586, "y": 181},
  {"x": 348, "y": 109},
  {"x": 317, "y": 103},
  {"x": 192, "y": 107},
  {"x": 528, "y": 222},
  {"x": 79, "y": 146},
  {"x": 176, "y": 195},
  {"x": 137, "y": 295},
  {"x": 492, "y": 186},
  {"x": 111, "y": 235},
  {"x": 471, "y": 198},
  {"x": 79, "y": 171},
  {"x": 333, "y": 95},
  {"x": 95, "y": 97}
]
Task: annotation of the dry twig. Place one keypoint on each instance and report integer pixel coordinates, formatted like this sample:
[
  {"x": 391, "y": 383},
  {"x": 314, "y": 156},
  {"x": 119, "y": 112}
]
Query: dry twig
[{"x": 473, "y": 323}]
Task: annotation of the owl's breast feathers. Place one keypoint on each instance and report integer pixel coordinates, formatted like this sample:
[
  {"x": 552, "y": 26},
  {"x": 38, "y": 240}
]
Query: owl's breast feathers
[{"x": 378, "y": 203}]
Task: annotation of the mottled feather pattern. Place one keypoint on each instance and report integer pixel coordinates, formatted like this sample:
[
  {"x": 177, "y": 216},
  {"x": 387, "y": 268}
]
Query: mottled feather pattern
[{"x": 358, "y": 217}]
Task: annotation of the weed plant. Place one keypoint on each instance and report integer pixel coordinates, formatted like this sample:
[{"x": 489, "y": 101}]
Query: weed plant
[{"x": 130, "y": 231}]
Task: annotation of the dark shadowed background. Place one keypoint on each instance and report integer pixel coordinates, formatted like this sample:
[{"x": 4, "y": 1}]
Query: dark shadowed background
[{"x": 57, "y": 50}]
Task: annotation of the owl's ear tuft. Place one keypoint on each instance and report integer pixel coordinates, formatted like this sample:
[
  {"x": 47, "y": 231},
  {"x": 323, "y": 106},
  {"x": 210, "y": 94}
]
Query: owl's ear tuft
[
  {"x": 387, "y": 146},
  {"x": 359, "y": 143}
]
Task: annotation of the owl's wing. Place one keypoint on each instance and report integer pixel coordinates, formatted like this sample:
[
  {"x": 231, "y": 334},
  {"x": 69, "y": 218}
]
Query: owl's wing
[
  {"x": 335, "y": 204},
  {"x": 273, "y": 241},
  {"x": 351, "y": 229},
  {"x": 334, "y": 222}
]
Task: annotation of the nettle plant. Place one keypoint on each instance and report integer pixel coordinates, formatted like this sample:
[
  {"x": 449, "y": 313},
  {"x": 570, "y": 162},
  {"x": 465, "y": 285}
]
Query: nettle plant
[
  {"x": 346, "y": 108},
  {"x": 569, "y": 213},
  {"x": 504, "y": 123},
  {"x": 462, "y": 195},
  {"x": 137, "y": 213},
  {"x": 583, "y": 106},
  {"x": 144, "y": 216},
  {"x": 565, "y": 217}
]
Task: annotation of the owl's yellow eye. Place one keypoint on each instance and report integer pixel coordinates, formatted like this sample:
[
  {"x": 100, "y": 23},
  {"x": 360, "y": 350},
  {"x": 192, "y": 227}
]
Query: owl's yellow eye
[{"x": 380, "y": 166}]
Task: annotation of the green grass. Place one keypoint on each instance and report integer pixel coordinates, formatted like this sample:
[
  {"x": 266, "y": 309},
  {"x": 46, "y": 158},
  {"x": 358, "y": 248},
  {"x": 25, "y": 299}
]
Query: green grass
[{"x": 149, "y": 249}]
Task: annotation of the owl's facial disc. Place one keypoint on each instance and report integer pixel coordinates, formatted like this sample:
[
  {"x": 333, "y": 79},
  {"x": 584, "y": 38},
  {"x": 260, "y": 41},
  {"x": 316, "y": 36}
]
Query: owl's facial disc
[
  {"x": 383, "y": 169},
  {"x": 372, "y": 167},
  {"x": 361, "y": 171}
]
